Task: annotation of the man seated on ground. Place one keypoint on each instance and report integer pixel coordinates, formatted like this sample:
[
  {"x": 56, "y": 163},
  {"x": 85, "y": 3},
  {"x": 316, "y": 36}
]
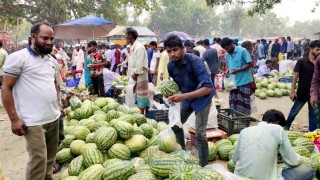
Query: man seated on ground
[
  {"x": 256, "y": 153},
  {"x": 108, "y": 77},
  {"x": 264, "y": 71}
]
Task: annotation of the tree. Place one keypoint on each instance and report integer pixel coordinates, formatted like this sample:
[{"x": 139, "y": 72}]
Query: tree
[
  {"x": 58, "y": 11},
  {"x": 235, "y": 18}
]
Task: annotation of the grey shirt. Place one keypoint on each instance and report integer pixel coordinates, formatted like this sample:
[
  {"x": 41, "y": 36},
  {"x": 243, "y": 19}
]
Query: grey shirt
[{"x": 211, "y": 57}]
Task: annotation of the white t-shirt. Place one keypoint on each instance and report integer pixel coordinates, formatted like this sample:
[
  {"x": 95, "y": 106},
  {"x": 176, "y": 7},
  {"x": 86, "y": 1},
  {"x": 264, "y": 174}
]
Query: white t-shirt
[
  {"x": 107, "y": 54},
  {"x": 34, "y": 93},
  {"x": 154, "y": 60},
  {"x": 108, "y": 77},
  {"x": 261, "y": 62}
]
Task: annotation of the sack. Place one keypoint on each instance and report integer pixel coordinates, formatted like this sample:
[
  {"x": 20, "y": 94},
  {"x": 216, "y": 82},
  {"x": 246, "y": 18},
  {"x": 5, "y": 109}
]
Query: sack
[
  {"x": 230, "y": 82},
  {"x": 253, "y": 104},
  {"x": 130, "y": 100},
  {"x": 75, "y": 103},
  {"x": 174, "y": 115}
]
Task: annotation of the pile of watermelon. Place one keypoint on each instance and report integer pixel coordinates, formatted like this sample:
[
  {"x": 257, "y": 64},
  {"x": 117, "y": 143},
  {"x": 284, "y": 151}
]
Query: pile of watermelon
[
  {"x": 106, "y": 140},
  {"x": 168, "y": 87}
]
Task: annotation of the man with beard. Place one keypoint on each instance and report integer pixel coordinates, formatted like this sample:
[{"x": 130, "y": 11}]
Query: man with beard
[
  {"x": 138, "y": 63},
  {"x": 189, "y": 72},
  {"x": 30, "y": 95}
]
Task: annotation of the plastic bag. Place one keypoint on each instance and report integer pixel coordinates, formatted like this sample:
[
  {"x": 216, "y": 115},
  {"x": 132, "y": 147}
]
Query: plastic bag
[
  {"x": 75, "y": 103},
  {"x": 230, "y": 82},
  {"x": 221, "y": 170},
  {"x": 174, "y": 115},
  {"x": 130, "y": 100},
  {"x": 253, "y": 104}
]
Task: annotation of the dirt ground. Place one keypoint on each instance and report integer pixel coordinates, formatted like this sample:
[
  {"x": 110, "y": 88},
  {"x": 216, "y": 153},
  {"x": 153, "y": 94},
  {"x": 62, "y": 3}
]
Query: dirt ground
[{"x": 13, "y": 155}]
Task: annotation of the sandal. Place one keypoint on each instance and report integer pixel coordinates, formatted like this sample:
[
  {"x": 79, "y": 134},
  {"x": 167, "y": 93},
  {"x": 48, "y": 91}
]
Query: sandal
[{"x": 56, "y": 167}]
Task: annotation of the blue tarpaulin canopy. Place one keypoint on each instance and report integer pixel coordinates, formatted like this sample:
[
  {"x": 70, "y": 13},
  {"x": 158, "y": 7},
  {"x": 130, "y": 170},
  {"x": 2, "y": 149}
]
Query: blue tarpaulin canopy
[{"x": 86, "y": 27}]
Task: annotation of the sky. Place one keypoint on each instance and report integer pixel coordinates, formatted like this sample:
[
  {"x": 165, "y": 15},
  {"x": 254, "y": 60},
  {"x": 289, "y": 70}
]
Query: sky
[{"x": 297, "y": 10}]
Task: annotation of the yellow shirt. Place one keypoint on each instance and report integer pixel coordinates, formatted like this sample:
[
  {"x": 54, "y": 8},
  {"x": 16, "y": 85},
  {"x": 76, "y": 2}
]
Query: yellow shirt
[{"x": 163, "y": 68}]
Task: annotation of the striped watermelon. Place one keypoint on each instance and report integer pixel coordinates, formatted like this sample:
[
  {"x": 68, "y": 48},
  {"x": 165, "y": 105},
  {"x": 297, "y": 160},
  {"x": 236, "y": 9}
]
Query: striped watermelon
[
  {"x": 86, "y": 109},
  {"x": 127, "y": 118},
  {"x": 101, "y": 102},
  {"x": 88, "y": 145},
  {"x": 120, "y": 171},
  {"x": 207, "y": 174},
  {"x": 119, "y": 151},
  {"x": 308, "y": 143},
  {"x": 301, "y": 150},
  {"x": 105, "y": 137},
  {"x": 231, "y": 154},
  {"x": 223, "y": 142},
  {"x": 153, "y": 123},
  {"x": 110, "y": 106},
  {"x": 99, "y": 112},
  {"x": 70, "y": 115},
  {"x": 73, "y": 122},
  {"x": 110, "y": 162},
  {"x": 143, "y": 168},
  {"x": 183, "y": 171},
  {"x": 307, "y": 160},
  {"x": 161, "y": 165},
  {"x": 137, "y": 162},
  {"x": 124, "y": 129},
  {"x": 119, "y": 114},
  {"x": 137, "y": 130},
  {"x": 223, "y": 151},
  {"x": 134, "y": 110},
  {"x": 167, "y": 141},
  {"x": 140, "y": 119},
  {"x": 99, "y": 117},
  {"x": 136, "y": 143},
  {"x": 233, "y": 138},
  {"x": 89, "y": 123},
  {"x": 185, "y": 156},
  {"x": 94, "y": 172},
  {"x": 168, "y": 87},
  {"x": 149, "y": 153},
  {"x": 162, "y": 126},
  {"x": 293, "y": 135},
  {"x": 64, "y": 156},
  {"x": 92, "y": 156},
  {"x": 147, "y": 129},
  {"x": 113, "y": 122},
  {"x": 68, "y": 139},
  {"x": 95, "y": 108},
  {"x": 76, "y": 166},
  {"x": 76, "y": 146},
  {"x": 155, "y": 132},
  {"x": 143, "y": 175},
  {"x": 213, "y": 150},
  {"x": 89, "y": 138},
  {"x": 123, "y": 108},
  {"x": 81, "y": 132},
  {"x": 231, "y": 166},
  {"x": 154, "y": 141},
  {"x": 68, "y": 130},
  {"x": 78, "y": 114},
  {"x": 112, "y": 114},
  {"x": 100, "y": 124}
]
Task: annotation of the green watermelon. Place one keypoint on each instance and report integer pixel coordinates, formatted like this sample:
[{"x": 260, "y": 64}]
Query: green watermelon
[
  {"x": 143, "y": 168},
  {"x": 99, "y": 117},
  {"x": 140, "y": 119},
  {"x": 137, "y": 130},
  {"x": 86, "y": 109},
  {"x": 100, "y": 124},
  {"x": 119, "y": 151},
  {"x": 99, "y": 112},
  {"x": 231, "y": 154},
  {"x": 81, "y": 132},
  {"x": 68, "y": 139},
  {"x": 68, "y": 130},
  {"x": 223, "y": 151},
  {"x": 105, "y": 137},
  {"x": 183, "y": 171},
  {"x": 149, "y": 153},
  {"x": 70, "y": 115},
  {"x": 223, "y": 142},
  {"x": 185, "y": 157},
  {"x": 137, "y": 162},
  {"x": 152, "y": 122},
  {"x": 124, "y": 129},
  {"x": 89, "y": 138},
  {"x": 110, "y": 106},
  {"x": 112, "y": 114},
  {"x": 88, "y": 145},
  {"x": 95, "y": 108},
  {"x": 301, "y": 150},
  {"x": 168, "y": 87},
  {"x": 233, "y": 138},
  {"x": 293, "y": 135},
  {"x": 167, "y": 142},
  {"x": 136, "y": 143},
  {"x": 94, "y": 172},
  {"x": 308, "y": 143},
  {"x": 213, "y": 150},
  {"x": 73, "y": 122},
  {"x": 101, "y": 102},
  {"x": 207, "y": 174},
  {"x": 231, "y": 166},
  {"x": 143, "y": 176},
  {"x": 147, "y": 129},
  {"x": 76, "y": 166},
  {"x": 162, "y": 126},
  {"x": 120, "y": 171},
  {"x": 307, "y": 160},
  {"x": 89, "y": 123},
  {"x": 123, "y": 108},
  {"x": 134, "y": 110},
  {"x": 127, "y": 118},
  {"x": 64, "y": 156},
  {"x": 92, "y": 156},
  {"x": 76, "y": 146},
  {"x": 161, "y": 165},
  {"x": 110, "y": 162}
]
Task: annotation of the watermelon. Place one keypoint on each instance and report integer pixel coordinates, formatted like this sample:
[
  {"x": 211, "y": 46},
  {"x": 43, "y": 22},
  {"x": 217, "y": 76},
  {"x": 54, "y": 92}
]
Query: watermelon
[
  {"x": 134, "y": 110},
  {"x": 99, "y": 112},
  {"x": 73, "y": 122},
  {"x": 105, "y": 137},
  {"x": 68, "y": 130},
  {"x": 143, "y": 168},
  {"x": 223, "y": 151},
  {"x": 64, "y": 156},
  {"x": 233, "y": 138},
  {"x": 76, "y": 146},
  {"x": 127, "y": 118},
  {"x": 136, "y": 143},
  {"x": 110, "y": 162},
  {"x": 71, "y": 178},
  {"x": 231, "y": 166},
  {"x": 137, "y": 130},
  {"x": 99, "y": 117},
  {"x": 207, "y": 174},
  {"x": 68, "y": 139},
  {"x": 89, "y": 138},
  {"x": 301, "y": 150},
  {"x": 308, "y": 143},
  {"x": 100, "y": 124},
  {"x": 101, "y": 102},
  {"x": 183, "y": 171},
  {"x": 161, "y": 165},
  {"x": 154, "y": 141},
  {"x": 81, "y": 132},
  {"x": 167, "y": 141},
  {"x": 70, "y": 115},
  {"x": 124, "y": 129},
  {"x": 123, "y": 108},
  {"x": 152, "y": 122},
  {"x": 94, "y": 172},
  {"x": 143, "y": 175},
  {"x": 78, "y": 114},
  {"x": 137, "y": 162},
  {"x": 168, "y": 87},
  {"x": 120, "y": 171},
  {"x": 119, "y": 151},
  {"x": 140, "y": 119},
  {"x": 223, "y": 142},
  {"x": 95, "y": 108},
  {"x": 149, "y": 153},
  {"x": 64, "y": 174},
  {"x": 92, "y": 156},
  {"x": 231, "y": 154},
  {"x": 112, "y": 114},
  {"x": 185, "y": 156},
  {"x": 110, "y": 106},
  {"x": 76, "y": 166},
  {"x": 155, "y": 132},
  {"x": 113, "y": 122},
  {"x": 86, "y": 109},
  {"x": 147, "y": 129},
  {"x": 162, "y": 126},
  {"x": 307, "y": 160},
  {"x": 213, "y": 150},
  {"x": 89, "y": 123}
]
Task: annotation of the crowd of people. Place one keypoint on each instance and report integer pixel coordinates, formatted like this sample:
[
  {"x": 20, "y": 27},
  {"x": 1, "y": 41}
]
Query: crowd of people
[{"x": 32, "y": 77}]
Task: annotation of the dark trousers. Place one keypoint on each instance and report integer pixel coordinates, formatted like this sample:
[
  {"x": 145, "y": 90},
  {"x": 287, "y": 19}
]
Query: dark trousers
[
  {"x": 115, "y": 67},
  {"x": 98, "y": 86},
  {"x": 200, "y": 136}
]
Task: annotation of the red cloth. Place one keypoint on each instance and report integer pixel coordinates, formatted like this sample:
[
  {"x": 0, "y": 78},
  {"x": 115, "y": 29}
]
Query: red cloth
[{"x": 117, "y": 55}]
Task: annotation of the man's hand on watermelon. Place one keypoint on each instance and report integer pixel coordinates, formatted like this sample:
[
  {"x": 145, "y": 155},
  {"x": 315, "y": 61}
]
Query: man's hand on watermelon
[{"x": 18, "y": 127}]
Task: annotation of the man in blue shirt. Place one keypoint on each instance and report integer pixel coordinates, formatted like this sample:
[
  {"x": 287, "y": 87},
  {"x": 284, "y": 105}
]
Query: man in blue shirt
[
  {"x": 261, "y": 47},
  {"x": 284, "y": 46},
  {"x": 189, "y": 72},
  {"x": 239, "y": 63}
]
